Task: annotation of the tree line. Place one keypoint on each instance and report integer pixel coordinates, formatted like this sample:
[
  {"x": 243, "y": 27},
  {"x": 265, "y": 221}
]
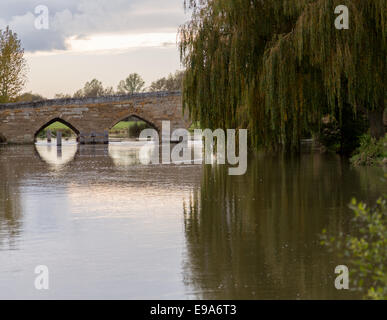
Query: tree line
[{"x": 132, "y": 84}]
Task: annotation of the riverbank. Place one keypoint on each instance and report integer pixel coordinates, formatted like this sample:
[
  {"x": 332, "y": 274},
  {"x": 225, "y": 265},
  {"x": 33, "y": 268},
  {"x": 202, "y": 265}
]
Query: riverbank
[
  {"x": 371, "y": 152},
  {"x": 54, "y": 127},
  {"x": 123, "y": 129}
]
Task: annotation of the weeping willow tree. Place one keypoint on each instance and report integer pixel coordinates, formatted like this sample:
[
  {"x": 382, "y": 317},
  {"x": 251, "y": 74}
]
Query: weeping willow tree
[{"x": 278, "y": 67}]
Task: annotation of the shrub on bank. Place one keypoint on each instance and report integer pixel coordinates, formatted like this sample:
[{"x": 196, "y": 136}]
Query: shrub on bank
[
  {"x": 136, "y": 128},
  {"x": 128, "y": 129},
  {"x": 367, "y": 250},
  {"x": 370, "y": 152}
]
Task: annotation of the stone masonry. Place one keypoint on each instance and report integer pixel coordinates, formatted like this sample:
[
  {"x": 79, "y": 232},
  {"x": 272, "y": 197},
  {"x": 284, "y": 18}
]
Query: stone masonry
[{"x": 20, "y": 122}]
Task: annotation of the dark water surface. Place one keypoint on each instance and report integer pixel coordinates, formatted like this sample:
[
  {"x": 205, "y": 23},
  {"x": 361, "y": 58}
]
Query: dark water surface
[{"x": 108, "y": 227}]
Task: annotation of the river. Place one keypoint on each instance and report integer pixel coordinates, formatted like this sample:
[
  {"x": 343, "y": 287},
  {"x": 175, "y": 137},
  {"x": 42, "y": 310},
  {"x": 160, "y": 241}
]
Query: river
[{"x": 109, "y": 227}]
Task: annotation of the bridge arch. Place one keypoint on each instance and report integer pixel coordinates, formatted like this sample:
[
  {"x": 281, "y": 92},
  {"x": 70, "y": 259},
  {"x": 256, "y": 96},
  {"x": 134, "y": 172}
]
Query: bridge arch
[{"x": 44, "y": 126}]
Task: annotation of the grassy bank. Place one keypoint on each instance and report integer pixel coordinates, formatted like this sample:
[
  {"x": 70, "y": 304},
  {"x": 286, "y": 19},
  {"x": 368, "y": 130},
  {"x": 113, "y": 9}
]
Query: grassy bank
[
  {"x": 54, "y": 127},
  {"x": 128, "y": 129}
]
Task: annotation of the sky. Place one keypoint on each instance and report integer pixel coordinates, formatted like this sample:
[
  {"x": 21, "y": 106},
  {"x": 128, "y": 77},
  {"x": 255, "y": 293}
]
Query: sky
[{"x": 70, "y": 42}]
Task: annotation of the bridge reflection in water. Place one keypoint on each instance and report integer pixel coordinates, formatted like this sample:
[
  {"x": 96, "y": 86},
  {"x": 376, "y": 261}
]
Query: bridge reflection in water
[
  {"x": 122, "y": 154},
  {"x": 57, "y": 156}
]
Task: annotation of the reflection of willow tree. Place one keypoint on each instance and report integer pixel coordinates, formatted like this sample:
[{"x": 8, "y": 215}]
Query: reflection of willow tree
[
  {"x": 256, "y": 236},
  {"x": 371, "y": 178},
  {"x": 10, "y": 211}
]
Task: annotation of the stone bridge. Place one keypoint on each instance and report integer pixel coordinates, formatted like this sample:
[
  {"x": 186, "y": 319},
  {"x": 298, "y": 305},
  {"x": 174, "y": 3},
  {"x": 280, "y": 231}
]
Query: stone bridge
[{"x": 21, "y": 122}]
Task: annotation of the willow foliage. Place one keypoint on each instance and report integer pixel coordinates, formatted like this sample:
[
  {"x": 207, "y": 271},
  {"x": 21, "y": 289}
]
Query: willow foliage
[{"x": 277, "y": 66}]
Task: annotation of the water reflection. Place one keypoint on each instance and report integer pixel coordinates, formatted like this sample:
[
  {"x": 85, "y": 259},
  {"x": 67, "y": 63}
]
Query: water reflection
[
  {"x": 256, "y": 236},
  {"x": 57, "y": 156},
  {"x": 172, "y": 231},
  {"x": 105, "y": 230},
  {"x": 10, "y": 216},
  {"x": 123, "y": 154},
  {"x": 131, "y": 152},
  {"x": 10, "y": 211}
]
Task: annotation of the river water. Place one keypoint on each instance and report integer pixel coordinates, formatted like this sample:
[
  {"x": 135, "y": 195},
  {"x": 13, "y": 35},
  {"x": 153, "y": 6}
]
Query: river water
[{"x": 108, "y": 227}]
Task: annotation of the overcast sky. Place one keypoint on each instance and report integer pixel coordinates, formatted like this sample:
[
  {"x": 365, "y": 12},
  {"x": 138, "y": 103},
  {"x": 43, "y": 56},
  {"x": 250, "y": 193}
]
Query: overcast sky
[{"x": 103, "y": 39}]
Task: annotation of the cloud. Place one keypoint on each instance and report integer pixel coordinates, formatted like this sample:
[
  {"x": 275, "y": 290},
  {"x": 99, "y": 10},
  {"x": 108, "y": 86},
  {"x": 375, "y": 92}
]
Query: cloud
[
  {"x": 33, "y": 39},
  {"x": 81, "y": 19}
]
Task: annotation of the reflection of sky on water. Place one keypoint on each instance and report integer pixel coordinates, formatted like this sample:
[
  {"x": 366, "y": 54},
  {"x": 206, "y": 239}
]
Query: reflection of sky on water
[
  {"x": 57, "y": 156},
  {"x": 104, "y": 228},
  {"x": 128, "y": 153}
]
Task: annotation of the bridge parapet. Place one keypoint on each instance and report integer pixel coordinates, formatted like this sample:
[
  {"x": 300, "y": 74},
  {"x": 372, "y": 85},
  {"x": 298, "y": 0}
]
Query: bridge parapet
[{"x": 89, "y": 100}]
